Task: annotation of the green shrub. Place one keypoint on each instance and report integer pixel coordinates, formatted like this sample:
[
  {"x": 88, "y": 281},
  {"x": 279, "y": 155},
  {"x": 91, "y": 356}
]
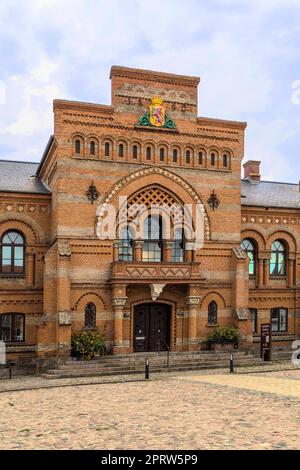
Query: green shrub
[
  {"x": 87, "y": 343},
  {"x": 224, "y": 335}
]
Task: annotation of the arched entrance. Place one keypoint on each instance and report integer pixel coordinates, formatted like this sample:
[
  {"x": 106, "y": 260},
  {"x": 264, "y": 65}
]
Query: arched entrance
[{"x": 151, "y": 327}]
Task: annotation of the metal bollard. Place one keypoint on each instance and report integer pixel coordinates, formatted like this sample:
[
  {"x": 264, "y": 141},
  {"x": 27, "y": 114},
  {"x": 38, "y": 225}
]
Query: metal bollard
[
  {"x": 147, "y": 369},
  {"x": 231, "y": 369}
]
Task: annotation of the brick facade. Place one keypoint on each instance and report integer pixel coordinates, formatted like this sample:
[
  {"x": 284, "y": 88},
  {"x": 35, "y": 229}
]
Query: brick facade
[{"x": 68, "y": 266}]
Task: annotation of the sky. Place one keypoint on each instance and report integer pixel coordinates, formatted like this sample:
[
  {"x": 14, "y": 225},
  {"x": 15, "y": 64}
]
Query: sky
[{"x": 245, "y": 51}]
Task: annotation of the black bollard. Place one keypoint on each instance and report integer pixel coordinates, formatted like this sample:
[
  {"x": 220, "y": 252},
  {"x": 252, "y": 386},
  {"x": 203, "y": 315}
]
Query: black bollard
[
  {"x": 231, "y": 369},
  {"x": 147, "y": 369}
]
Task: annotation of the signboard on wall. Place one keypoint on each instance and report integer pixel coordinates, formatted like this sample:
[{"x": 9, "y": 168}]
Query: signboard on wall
[{"x": 266, "y": 342}]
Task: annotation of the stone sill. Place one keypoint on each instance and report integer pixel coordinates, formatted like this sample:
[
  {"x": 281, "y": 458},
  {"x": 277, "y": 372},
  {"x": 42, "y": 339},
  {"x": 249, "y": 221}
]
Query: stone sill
[{"x": 20, "y": 348}]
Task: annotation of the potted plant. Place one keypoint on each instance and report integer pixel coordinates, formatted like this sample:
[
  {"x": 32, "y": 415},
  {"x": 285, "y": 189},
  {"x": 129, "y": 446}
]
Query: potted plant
[
  {"x": 224, "y": 338},
  {"x": 85, "y": 344}
]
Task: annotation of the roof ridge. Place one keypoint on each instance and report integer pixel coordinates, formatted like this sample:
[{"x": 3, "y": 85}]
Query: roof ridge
[
  {"x": 18, "y": 161},
  {"x": 271, "y": 182}
]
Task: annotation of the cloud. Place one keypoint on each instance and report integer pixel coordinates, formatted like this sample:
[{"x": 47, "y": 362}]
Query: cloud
[{"x": 246, "y": 53}]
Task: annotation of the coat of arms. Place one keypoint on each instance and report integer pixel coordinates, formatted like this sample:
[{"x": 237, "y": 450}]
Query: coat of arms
[
  {"x": 157, "y": 112},
  {"x": 156, "y": 116}
]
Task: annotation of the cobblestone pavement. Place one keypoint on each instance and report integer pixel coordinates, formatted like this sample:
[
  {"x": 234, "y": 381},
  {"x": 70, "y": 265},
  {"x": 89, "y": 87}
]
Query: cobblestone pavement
[{"x": 179, "y": 411}]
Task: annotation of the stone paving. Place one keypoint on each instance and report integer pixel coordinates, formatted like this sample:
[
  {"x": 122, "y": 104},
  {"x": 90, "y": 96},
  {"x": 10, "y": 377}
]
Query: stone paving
[{"x": 197, "y": 410}]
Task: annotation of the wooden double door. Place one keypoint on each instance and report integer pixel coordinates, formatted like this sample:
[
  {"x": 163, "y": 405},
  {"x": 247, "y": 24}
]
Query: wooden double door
[{"x": 151, "y": 327}]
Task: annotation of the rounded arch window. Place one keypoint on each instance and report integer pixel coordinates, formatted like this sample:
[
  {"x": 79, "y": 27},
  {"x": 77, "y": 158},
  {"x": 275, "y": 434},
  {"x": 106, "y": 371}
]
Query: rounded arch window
[
  {"x": 90, "y": 315},
  {"x": 153, "y": 240},
  {"x": 106, "y": 149},
  {"x": 162, "y": 154},
  {"x": 225, "y": 160},
  {"x": 249, "y": 247},
  {"x": 121, "y": 150},
  {"x": 212, "y": 314},
  {"x": 134, "y": 152},
  {"x": 213, "y": 159},
  {"x": 12, "y": 252},
  {"x": 278, "y": 259},
  {"x": 175, "y": 155},
  {"x": 148, "y": 153},
  {"x": 92, "y": 148},
  {"x": 188, "y": 157},
  {"x": 126, "y": 244},
  {"x": 77, "y": 146}
]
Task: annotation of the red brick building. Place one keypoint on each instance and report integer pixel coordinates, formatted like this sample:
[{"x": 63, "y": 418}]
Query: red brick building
[{"x": 152, "y": 292}]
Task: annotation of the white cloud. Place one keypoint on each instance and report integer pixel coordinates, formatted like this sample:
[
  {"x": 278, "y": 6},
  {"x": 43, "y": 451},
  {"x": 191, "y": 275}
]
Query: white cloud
[{"x": 245, "y": 53}]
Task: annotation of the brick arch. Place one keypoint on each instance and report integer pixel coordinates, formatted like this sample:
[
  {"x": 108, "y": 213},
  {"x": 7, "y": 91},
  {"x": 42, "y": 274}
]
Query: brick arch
[
  {"x": 165, "y": 198},
  {"x": 149, "y": 176},
  {"x": 213, "y": 295},
  {"x": 256, "y": 236},
  {"x": 287, "y": 237},
  {"x": 32, "y": 231},
  {"x": 90, "y": 297}
]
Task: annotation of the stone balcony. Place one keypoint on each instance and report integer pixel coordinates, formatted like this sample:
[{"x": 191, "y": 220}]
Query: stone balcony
[{"x": 132, "y": 272}]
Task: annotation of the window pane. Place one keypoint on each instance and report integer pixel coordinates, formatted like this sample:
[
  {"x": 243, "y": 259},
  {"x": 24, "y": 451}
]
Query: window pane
[
  {"x": 5, "y": 330},
  {"x": 6, "y": 265},
  {"x": 282, "y": 319},
  {"x": 18, "y": 328},
  {"x": 275, "y": 320},
  {"x": 6, "y": 252},
  {"x": 273, "y": 263},
  {"x": 19, "y": 252}
]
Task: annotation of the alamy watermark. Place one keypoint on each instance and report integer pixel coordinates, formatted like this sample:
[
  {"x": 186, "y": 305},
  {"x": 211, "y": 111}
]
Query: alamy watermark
[
  {"x": 296, "y": 352},
  {"x": 2, "y": 353},
  {"x": 2, "y": 92},
  {"x": 133, "y": 220},
  {"x": 296, "y": 92}
]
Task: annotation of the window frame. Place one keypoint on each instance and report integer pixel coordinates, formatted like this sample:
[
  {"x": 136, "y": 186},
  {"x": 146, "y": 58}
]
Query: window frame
[
  {"x": 86, "y": 313},
  {"x": 92, "y": 148},
  {"x": 13, "y": 327},
  {"x": 212, "y": 304},
  {"x": 254, "y": 251},
  {"x": 277, "y": 310},
  {"x": 12, "y": 255},
  {"x": 277, "y": 274}
]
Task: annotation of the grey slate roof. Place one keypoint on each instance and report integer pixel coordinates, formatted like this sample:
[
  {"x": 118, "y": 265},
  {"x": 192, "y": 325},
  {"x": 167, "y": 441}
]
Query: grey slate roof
[
  {"x": 19, "y": 177},
  {"x": 270, "y": 194}
]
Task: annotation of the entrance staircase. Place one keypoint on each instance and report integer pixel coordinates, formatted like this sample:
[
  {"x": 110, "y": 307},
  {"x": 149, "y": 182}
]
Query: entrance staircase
[{"x": 158, "y": 362}]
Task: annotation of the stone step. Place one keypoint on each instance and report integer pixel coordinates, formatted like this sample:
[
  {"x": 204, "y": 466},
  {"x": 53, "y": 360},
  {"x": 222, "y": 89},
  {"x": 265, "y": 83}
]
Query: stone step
[
  {"x": 158, "y": 357},
  {"x": 152, "y": 361},
  {"x": 86, "y": 372}
]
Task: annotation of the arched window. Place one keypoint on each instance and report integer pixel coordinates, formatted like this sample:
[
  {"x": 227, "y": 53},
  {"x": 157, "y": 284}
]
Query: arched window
[
  {"x": 148, "y": 153},
  {"x": 134, "y": 152},
  {"x": 200, "y": 158},
  {"x": 212, "y": 314},
  {"x": 121, "y": 150},
  {"x": 153, "y": 243},
  {"x": 12, "y": 327},
  {"x": 162, "y": 154},
  {"x": 92, "y": 148},
  {"x": 212, "y": 159},
  {"x": 77, "y": 146},
  {"x": 249, "y": 247},
  {"x": 225, "y": 160},
  {"x": 90, "y": 315},
  {"x": 106, "y": 149},
  {"x": 12, "y": 253},
  {"x": 278, "y": 259},
  {"x": 175, "y": 155},
  {"x": 188, "y": 157},
  {"x": 178, "y": 246},
  {"x": 125, "y": 247}
]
